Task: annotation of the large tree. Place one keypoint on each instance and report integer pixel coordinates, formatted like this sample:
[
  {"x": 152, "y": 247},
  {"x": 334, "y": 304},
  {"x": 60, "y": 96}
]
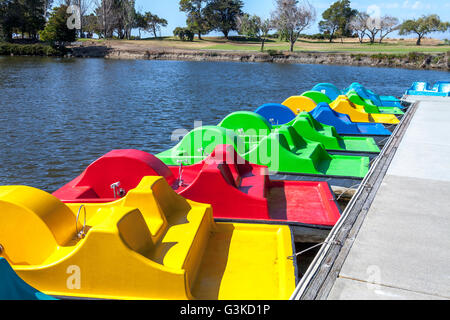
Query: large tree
[
  {"x": 11, "y": 14},
  {"x": 116, "y": 16},
  {"x": 423, "y": 26},
  {"x": 292, "y": 17},
  {"x": 358, "y": 24},
  {"x": 254, "y": 26},
  {"x": 56, "y": 30},
  {"x": 154, "y": 23},
  {"x": 388, "y": 24},
  {"x": 195, "y": 20},
  {"x": 140, "y": 23},
  {"x": 34, "y": 17},
  {"x": 336, "y": 19},
  {"x": 22, "y": 16},
  {"x": 91, "y": 25},
  {"x": 84, "y": 7},
  {"x": 221, "y": 15}
]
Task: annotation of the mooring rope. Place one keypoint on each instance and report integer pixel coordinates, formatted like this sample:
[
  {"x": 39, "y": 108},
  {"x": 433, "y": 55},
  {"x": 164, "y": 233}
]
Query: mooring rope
[
  {"x": 315, "y": 246},
  {"x": 346, "y": 190}
]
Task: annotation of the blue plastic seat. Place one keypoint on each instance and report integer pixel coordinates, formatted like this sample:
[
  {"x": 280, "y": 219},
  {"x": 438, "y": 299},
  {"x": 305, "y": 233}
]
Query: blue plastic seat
[
  {"x": 323, "y": 113},
  {"x": 421, "y": 88},
  {"x": 276, "y": 114}
]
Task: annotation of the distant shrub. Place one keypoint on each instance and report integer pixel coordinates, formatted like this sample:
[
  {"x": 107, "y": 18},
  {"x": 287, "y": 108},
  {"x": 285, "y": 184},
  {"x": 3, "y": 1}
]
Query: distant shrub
[
  {"x": 317, "y": 36},
  {"x": 185, "y": 34},
  {"x": 37, "y": 49},
  {"x": 384, "y": 56},
  {"x": 243, "y": 38},
  {"x": 273, "y": 52},
  {"x": 415, "y": 56}
]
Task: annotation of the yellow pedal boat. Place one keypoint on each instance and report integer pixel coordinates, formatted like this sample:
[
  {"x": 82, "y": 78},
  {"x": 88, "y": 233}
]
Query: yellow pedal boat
[
  {"x": 151, "y": 244},
  {"x": 357, "y": 113},
  {"x": 343, "y": 105}
]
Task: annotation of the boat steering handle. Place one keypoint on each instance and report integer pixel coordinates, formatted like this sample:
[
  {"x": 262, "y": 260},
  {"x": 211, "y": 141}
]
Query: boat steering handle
[
  {"x": 82, "y": 233},
  {"x": 180, "y": 173}
]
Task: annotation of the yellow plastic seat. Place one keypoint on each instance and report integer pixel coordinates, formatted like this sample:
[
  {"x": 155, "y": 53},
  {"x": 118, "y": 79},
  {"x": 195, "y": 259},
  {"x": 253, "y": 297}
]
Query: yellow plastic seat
[
  {"x": 151, "y": 244},
  {"x": 357, "y": 114},
  {"x": 299, "y": 104}
]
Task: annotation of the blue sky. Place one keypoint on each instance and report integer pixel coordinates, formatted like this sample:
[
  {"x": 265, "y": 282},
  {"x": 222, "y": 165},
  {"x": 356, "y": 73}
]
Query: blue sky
[{"x": 403, "y": 9}]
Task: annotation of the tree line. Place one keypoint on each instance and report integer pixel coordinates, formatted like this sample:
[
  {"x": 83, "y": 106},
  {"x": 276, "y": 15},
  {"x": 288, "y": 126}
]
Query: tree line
[
  {"x": 340, "y": 20},
  {"x": 46, "y": 20},
  {"x": 105, "y": 18}
]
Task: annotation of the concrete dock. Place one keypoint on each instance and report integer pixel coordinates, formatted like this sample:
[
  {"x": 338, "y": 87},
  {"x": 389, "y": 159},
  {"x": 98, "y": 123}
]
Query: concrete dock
[{"x": 394, "y": 241}]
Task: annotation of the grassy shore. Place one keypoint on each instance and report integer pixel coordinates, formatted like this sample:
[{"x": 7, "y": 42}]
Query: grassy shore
[{"x": 394, "y": 46}]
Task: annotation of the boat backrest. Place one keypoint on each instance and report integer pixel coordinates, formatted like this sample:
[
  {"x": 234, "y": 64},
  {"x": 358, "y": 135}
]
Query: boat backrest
[
  {"x": 276, "y": 114},
  {"x": 329, "y": 89},
  {"x": 420, "y": 86},
  {"x": 317, "y": 97},
  {"x": 247, "y": 123},
  {"x": 442, "y": 86},
  {"x": 134, "y": 232},
  {"x": 302, "y": 103},
  {"x": 127, "y": 167},
  {"x": 289, "y": 134},
  {"x": 33, "y": 224},
  {"x": 230, "y": 163}
]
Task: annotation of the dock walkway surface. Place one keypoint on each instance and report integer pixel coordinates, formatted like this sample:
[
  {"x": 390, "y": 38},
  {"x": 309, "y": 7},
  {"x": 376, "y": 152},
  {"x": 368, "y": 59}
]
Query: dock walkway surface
[{"x": 401, "y": 248}]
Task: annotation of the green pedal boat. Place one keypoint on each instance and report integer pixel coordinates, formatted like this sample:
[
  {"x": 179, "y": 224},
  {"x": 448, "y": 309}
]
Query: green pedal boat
[
  {"x": 282, "y": 150},
  {"x": 369, "y": 106},
  {"x": 306, "y": 127}
]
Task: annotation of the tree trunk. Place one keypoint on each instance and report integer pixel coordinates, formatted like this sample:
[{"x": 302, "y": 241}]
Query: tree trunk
[
  {"x": 419, "y": 41},
  {"x": 200, "y": 36},
  {"x": 292, "y": 45},
  {"x": 225, "y": 33},
  {"x": 262, "y": 45},
  {"x": 104, "y": 20}
]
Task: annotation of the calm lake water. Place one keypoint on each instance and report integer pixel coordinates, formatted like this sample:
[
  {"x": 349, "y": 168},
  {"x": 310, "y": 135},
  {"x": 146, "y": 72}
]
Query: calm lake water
[{"x": 59, "y": 115}]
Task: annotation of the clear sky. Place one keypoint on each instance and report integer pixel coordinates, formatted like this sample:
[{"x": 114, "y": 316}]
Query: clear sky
[{"x": 403, "y": 9}]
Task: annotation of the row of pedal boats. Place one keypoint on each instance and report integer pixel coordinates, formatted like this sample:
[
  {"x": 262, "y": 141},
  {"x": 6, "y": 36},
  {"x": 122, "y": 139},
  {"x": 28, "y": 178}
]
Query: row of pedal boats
[{"x": 203, "y": 220}]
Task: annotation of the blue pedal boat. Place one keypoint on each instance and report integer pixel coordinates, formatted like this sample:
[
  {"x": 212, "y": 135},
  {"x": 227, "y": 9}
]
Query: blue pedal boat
[{"x": 278, "y": 114}]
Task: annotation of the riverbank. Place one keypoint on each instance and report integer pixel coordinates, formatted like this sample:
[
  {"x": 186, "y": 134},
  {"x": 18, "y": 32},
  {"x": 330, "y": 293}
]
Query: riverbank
[{"x": 130, "y": 50}]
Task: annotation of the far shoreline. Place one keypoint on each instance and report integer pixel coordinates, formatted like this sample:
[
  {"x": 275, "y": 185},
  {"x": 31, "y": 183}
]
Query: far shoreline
[
  {"x": 116, "y": 50},
  {"x": 393, "y": 54}
]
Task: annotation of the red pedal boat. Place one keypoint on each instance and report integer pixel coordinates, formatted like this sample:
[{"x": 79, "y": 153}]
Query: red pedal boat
[{"x": 236, "y": 189}]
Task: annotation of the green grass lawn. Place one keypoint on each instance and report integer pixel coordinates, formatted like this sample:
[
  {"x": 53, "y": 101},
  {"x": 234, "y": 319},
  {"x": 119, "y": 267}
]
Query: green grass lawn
[{"x": 237, "y": 44}]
